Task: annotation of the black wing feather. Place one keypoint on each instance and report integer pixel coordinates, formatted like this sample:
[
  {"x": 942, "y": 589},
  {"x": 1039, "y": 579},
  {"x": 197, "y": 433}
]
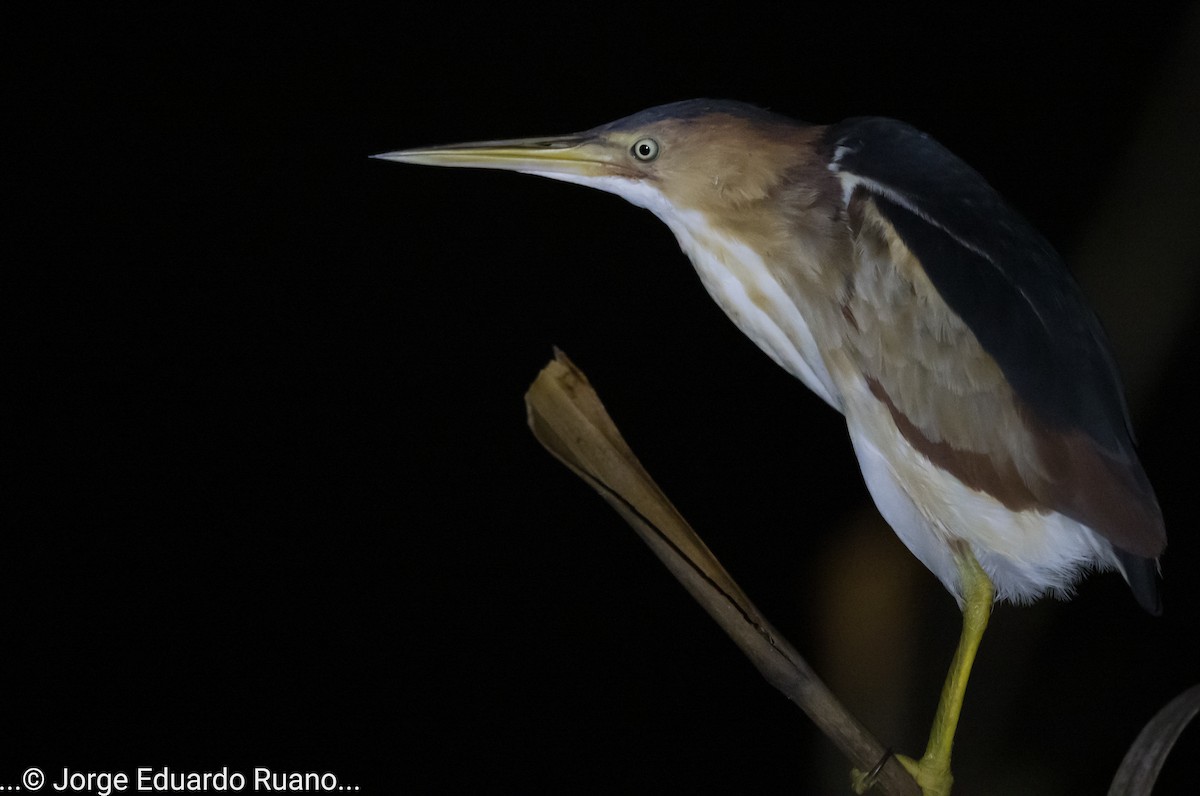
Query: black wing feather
[{"x": 997, "y": 273}]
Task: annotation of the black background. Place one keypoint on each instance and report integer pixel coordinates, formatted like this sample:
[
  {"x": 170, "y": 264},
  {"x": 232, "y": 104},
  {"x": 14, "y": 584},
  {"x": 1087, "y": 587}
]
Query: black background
[{"x": 272, "y": 498}]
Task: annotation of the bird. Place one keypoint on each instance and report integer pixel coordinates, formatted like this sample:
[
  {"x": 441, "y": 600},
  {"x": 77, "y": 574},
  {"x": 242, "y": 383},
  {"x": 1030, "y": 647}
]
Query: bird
[{"x": 980, "y": 391}]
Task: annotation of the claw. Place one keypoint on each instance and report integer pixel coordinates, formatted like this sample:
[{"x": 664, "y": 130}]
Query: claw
[{"x": 862, "y": 782}]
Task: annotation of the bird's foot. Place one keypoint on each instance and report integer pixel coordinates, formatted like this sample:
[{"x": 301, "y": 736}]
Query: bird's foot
[
  {"x": 931, "y": 773},
  {"x": 863, "y": 781}
]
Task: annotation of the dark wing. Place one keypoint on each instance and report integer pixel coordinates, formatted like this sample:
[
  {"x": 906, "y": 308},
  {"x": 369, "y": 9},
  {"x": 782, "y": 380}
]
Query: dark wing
[{"x": 1014, "y": 294}]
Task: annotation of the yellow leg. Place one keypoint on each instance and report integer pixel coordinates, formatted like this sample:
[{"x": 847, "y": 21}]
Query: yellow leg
[{"x": 932, "y": 771}]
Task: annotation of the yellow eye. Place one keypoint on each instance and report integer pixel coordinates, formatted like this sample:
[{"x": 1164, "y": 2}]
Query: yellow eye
[{"x": 645, "y": 149}]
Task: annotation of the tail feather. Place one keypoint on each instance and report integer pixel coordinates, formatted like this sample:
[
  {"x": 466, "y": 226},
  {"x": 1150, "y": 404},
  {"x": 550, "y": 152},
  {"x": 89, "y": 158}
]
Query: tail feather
[{"x": 1142, "y": 575}]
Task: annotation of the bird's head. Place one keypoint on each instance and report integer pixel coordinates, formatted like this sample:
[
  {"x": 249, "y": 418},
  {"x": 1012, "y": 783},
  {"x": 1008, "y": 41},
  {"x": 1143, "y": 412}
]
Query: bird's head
[{"x": 717, "y": 158}]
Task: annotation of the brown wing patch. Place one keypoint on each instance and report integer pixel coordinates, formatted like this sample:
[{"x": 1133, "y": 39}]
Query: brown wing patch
[
  {"x": 952, "y": 403},
  {"x": 998, "y": 478}
]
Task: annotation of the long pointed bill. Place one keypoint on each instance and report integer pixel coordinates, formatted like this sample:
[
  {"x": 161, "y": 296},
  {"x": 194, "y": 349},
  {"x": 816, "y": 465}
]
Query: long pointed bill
[{"x": 571, "y": 158}]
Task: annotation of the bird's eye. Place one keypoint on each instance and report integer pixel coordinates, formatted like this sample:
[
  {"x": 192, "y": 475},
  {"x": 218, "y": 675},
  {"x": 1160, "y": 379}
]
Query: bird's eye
[{"x": 645, "y": 149}]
